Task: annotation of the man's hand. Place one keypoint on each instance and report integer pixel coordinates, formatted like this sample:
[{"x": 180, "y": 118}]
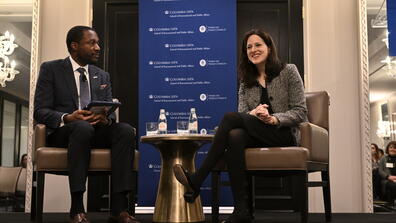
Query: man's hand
[
  {"x": 88, "y": 116},
  {"x": 99, "y": 118},
  {"x": 78, "y": 115}
]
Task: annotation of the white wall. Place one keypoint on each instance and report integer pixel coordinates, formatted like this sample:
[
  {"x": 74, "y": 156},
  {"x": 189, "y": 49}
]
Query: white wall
[
  {"x": 332, "y": 64},
  {"x": 56, "y": 18}
]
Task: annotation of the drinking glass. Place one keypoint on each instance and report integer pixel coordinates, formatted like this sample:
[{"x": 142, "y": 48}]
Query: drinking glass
[
  {"x": 151, "y": 128},
  {"x": 182, "y": 127}
]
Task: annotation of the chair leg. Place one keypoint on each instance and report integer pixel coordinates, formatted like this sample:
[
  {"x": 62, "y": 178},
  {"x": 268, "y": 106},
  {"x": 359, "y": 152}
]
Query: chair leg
[
  {"x": 132, "y": 196},
  {"x": 215, "y": 196},
  {"x": 300, "y": 183},
  {"x": 131, "y": 202},
  {"x": 326, "y": 195},
  {"x": 7, "y": 199},
  {"x": 304, "y": 191},
  {"x": 39, "y": 196},
  {"x": 33, "y": 199},
  {"x": 252, "y": 194}
]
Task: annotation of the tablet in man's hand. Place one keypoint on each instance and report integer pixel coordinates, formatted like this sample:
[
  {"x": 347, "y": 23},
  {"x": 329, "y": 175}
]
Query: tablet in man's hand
[{"x": 102, "y": 107}]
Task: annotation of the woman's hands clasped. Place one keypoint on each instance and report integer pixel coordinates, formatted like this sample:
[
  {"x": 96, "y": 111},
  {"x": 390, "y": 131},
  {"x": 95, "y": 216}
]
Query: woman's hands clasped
[{"x": 261, "y": 112}]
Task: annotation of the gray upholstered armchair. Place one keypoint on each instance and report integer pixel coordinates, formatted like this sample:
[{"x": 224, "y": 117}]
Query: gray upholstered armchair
[
  {"x": 50, "y": 160},
  {"x": 311, "y": 156}
]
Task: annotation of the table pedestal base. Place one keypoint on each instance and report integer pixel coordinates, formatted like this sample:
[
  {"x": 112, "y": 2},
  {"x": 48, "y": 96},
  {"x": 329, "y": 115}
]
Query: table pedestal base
[{"x": 170, "y": 205}]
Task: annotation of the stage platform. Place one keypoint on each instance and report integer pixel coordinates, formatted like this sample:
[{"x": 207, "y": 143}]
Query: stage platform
[{"x": 261, "y": 217}]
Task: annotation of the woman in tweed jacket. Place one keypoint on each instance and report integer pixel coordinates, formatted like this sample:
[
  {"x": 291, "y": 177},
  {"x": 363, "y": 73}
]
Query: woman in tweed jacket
[{"x": 271, "y": 105}]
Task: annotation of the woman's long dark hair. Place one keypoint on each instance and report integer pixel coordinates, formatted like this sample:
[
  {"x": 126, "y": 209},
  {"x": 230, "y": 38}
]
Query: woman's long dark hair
[
  {"x": 22, "y": 164},
  {"x": 376, "y": 155},
  {"x": 248, "y": 72}
]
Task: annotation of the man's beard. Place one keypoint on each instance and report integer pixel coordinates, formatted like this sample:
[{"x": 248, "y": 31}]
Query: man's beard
[{"x": 87, "y": 59}]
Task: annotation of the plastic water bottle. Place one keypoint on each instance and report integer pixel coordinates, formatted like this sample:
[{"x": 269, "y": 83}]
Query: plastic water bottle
[
  {"x": 162, "y": 123},
  {"x": 193, "y": 122}
]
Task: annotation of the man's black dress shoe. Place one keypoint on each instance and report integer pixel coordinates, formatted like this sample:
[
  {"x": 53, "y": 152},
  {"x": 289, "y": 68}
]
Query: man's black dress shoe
[
  {"x": 236, "y": 220},
  {"x": 79, "y": 218},
  {"x": 123, "y": 217}
]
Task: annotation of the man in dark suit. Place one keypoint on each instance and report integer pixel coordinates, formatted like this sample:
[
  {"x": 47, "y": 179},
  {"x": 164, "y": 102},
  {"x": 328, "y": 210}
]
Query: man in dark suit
[{"x": 64, "y": 88}]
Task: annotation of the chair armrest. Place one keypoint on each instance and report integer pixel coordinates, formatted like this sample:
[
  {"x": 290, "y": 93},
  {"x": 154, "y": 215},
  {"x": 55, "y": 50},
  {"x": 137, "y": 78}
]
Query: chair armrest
[
  {"x": 39, "y": 138},
  {"x": 21, "y": 184},
  {"x": 9, "y": 179},
  {"x": 316, "y": 140},
  {"x": 117, "y": 111}
]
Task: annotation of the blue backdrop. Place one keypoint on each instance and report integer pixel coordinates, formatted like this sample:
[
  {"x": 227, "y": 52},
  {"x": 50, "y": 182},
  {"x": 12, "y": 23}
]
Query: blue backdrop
[
  {"x": 187, "y": 58},
  {"x": 391, "y": 17}
]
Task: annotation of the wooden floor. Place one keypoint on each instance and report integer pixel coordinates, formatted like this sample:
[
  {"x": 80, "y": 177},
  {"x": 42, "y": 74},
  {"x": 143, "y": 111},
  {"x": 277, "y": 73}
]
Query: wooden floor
[{"x": 260, "y": 218}]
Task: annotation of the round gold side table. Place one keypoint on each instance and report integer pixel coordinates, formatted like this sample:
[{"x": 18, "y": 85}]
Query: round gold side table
[{"x": 170, "y": 205}]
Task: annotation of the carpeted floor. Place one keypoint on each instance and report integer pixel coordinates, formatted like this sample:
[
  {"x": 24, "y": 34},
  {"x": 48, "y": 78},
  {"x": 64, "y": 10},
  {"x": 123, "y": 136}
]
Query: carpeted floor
[{"x": 260, "y": 218}]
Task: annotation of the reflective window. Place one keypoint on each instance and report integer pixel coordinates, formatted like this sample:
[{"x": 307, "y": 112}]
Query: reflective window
[
  {"x": 24, "y": 131},
  {"x": 8, "y": 134}
]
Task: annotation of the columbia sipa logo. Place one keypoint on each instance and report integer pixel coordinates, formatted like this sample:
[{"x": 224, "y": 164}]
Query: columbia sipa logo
[
  {"x": 202, "y": 29},
  {"x": 203, "y": 97},
  {"x": 202, "y": 63},
  {"x": 153, "y": 166}
]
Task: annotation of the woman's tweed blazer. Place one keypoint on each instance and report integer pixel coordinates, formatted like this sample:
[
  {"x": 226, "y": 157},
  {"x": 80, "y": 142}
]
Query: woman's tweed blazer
[{"x": 286, "y": 95}]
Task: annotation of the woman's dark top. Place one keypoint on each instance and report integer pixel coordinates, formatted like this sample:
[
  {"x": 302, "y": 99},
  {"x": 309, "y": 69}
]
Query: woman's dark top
[
  {"x": 264, "y": 98},
  {"x": 392, "y": 159}
]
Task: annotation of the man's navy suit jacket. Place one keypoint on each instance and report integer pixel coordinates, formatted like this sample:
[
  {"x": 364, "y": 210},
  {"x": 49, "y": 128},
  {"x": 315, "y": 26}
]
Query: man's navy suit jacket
[{"x": 56, "y": 91}]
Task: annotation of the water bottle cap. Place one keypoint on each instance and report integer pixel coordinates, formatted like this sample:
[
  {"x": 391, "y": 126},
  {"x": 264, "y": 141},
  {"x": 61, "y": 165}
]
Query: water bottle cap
[
  {"x": 162, "y": 110},
  {"x": 192, "y": 110}
]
